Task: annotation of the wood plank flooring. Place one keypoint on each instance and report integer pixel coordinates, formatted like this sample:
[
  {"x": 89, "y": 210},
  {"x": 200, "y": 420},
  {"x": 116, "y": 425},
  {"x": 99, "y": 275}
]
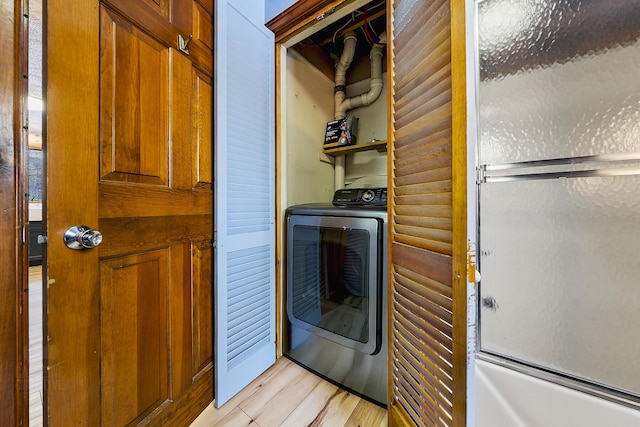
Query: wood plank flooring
[
  {"x": 285, "y": 395},
  {"x": 35, "y": 347},
  {"x": 288, "y": 395}
]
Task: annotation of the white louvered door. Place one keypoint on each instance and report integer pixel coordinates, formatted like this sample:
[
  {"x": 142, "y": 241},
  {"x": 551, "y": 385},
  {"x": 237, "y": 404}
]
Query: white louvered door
[{"x": 244, "y": 200}]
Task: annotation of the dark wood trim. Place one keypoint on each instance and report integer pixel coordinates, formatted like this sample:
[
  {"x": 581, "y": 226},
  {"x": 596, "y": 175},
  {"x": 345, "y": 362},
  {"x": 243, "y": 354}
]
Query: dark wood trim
[
  {"x": 281, "y": 333},
  {"x": 459, "y": 209},
  {"x": 398, "y": 417},
  {"x": 296, "y": 14},
  {"x": 300, "y": 14},
  {"x": 22, "y": 242},
  {"x": 390, "y": 196},
  {"x": 12, "y": 349}
]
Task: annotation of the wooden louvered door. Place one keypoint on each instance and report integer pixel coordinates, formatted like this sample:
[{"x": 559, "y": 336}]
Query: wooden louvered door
[
  {"x": 129, "y": 122},
  {"x": 427, "y": 279}
]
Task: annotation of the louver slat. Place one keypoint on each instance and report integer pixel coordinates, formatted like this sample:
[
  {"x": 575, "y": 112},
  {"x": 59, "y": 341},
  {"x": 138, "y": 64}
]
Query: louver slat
[
  {"x": 425, "y": 188},
  {"x": 437, "y": 70},
  {"x": 428, "y": 294},
  {"x": 413, "y": 325},
  {"x": 443, "y": 174},
  {"x": 419, "y": 400},
  {"x": 248, "y": 303},
  {"x": 435, "y": 292},
  {"x": 435, "y": 377}
]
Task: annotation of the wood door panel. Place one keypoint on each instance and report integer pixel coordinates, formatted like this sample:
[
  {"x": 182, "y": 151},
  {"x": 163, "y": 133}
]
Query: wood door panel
[
  {"x": 159, "y": 6},
  {"x": 11, "y": 248},
  {"x": 146, "y": 13},
  {"x": 202, "y": 262},
  {"x": 151, "y": 201},
  {"x": 182, "y": 16},
  {"x": 165, "y": 31},
  {"x": 72, "y": 341},
  {"x": 134, "y": 103},
  {"x": 202, "y": 25},
  {"x": 134, "y": 307},
  {"x": 208, "y": 5},
  {"x": 151, "y": 233},
  {"x": 141, "y": 326},
  {"x": 192, "y": 151},
  {"x": 203, "y": 163}
]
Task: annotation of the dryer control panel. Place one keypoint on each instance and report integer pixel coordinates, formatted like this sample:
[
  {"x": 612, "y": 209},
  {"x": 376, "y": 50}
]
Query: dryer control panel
[{"x": 361, "y": 197}]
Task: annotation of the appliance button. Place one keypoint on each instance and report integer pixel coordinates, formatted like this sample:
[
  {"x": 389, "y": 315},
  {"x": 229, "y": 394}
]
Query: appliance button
[{"x": 368, "y": 196}]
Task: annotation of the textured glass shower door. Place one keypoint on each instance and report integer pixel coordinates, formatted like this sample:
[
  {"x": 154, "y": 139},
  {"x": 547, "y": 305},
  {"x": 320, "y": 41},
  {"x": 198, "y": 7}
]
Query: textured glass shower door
[{"x": 559, "y": 187}]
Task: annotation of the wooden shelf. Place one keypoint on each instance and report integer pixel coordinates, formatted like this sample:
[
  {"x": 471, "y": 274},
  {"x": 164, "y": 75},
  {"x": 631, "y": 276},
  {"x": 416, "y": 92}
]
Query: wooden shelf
[{"x": 349, "y": 149}]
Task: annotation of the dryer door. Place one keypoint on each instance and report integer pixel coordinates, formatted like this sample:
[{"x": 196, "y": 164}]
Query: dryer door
[{"x": 333, "y": 288}]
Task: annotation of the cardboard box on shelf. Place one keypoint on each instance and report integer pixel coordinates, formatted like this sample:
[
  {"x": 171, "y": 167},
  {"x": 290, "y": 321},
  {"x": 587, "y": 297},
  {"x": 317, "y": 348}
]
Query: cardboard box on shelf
[{"x": 341, "y": 132}]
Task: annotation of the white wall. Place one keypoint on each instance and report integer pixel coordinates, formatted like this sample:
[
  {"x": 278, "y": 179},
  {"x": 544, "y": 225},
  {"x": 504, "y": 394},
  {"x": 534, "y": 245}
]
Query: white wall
[
  {"x": 368, "y": 168},
  {"x": 308, "y": 108}
]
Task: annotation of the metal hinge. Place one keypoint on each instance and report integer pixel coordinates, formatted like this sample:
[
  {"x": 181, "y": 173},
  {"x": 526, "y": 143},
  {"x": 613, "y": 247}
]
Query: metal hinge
[
  {"x": 481, "y": 174},
  {"x": 471, "y": 261}
]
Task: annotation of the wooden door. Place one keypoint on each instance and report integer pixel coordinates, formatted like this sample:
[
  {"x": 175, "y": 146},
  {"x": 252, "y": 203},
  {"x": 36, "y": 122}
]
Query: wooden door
[
  {"x": 12, "y": 299},
  {"x": 129, "y": 131},
  {"x": 427, "y": 187}
]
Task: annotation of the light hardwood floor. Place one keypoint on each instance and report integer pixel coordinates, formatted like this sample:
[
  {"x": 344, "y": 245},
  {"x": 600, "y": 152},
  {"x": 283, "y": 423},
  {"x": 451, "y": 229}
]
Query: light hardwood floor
[
  {"x": 285, "y": 395},
  {"x": 35, "y": 346},
  {"x": 288, "y": 395}
]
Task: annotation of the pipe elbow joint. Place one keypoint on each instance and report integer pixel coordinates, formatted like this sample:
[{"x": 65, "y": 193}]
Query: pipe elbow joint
[
  {"x": 382, "y": 38},
  {"x": 350, "y": 41},
  {"x": 376, "y": 83}
]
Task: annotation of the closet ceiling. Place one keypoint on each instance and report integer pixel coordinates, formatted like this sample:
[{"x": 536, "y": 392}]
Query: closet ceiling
[{"x": 325, "y": 46}]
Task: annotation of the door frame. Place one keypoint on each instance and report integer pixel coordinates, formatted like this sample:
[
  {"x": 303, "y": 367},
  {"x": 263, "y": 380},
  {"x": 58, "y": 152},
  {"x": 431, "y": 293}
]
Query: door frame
[{"x": 13, "y": 301}]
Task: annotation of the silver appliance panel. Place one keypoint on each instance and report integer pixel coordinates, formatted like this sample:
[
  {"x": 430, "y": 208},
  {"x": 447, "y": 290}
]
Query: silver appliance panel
[
  {"x": 353, "y": 362},
  {"x": 332, "y": 288}
]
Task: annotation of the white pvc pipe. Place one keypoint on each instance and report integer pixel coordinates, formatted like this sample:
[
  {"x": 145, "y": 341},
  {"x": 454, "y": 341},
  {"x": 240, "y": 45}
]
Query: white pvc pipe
[
  {"x": 339, "y": 172},
  {"x": 341, "y": 71},
  {"x": 343, "y": 104},
  {"x": 375, "y": 88},
  {"x": 340, "y": 80}
]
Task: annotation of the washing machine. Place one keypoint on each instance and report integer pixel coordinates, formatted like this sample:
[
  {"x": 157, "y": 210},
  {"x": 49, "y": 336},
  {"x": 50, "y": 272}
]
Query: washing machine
[{"x": 336, "y": 290}]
